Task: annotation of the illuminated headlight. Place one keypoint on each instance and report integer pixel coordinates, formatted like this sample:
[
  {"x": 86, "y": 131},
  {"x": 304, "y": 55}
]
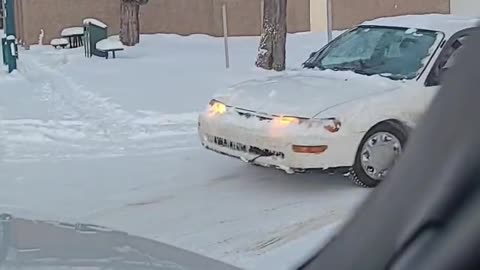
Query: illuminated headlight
[
  {"x": 216, "y": 107},
  {"x": 332, "y": 124},
  {"x": 287, "y": 120}
]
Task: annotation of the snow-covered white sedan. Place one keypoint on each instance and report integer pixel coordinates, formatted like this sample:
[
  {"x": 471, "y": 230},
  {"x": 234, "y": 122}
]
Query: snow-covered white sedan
[{"x": 353, "y": 105}]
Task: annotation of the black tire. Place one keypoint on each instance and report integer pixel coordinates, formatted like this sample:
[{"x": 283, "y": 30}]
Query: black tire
[{"x": 357, "y": 174}]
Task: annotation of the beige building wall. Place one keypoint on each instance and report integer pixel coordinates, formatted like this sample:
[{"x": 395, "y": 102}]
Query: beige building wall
[
  {"x": 347, "y": 13},
  {"x": 298, "y": 16},
  {"x": 186, "y": 17},
  {"x": 54, "y": 15},
  {"x": 182, "y": 17},
  {"x": 465, "y": 7},
  {"x": 318, "y": 15}
]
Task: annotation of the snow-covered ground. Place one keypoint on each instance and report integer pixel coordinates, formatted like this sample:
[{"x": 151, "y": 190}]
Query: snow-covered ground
[{"x": 113, "y": 142}]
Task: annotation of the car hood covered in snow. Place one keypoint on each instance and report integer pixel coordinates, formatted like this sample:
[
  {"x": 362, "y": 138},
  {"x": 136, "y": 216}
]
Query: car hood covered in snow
[{"x": 305, "y": 93}]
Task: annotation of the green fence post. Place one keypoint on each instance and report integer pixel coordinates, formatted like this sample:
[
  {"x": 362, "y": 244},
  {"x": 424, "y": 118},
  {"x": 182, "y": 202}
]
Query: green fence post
[
  {"x": 11, "y": 52},
  {"x": 4, "y": 47},
  {"x": 9, "y": 47}
]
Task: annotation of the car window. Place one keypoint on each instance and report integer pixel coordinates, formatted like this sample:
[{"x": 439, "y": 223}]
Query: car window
[
  {"x": 350, "y": 51},
  {"x": 447, "y": 59},
  {"x": 454, "y": 49},
  {"x": 397, "y": 53}
]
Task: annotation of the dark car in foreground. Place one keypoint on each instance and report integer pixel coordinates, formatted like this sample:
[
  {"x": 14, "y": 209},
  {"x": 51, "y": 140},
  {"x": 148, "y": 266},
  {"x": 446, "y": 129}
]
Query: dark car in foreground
[{"x": 37, "y": 244}]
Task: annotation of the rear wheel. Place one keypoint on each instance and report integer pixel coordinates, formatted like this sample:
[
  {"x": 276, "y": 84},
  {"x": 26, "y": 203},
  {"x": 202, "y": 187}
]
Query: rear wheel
[{"x": 378, "y": 152}]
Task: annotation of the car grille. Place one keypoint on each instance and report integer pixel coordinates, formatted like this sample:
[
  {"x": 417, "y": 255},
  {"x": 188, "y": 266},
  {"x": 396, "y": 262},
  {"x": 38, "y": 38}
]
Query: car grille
[
  {"x": 260, "y": 116},
  {"x": 244, "y": 148},
  {"x": 250, "y": 114}
]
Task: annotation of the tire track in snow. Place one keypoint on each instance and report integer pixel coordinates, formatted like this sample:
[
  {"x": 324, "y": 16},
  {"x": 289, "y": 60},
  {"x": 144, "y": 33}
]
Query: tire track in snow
[
  {"x": 72, "y": 100},
  {"x": 86, "y": 124},
  {"x": 291, "y": 233},
  {"x": 3, "y": 144}
]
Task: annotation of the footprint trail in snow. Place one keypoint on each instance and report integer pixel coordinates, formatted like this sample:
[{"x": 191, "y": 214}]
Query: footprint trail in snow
[{"x": 82, "y": 124}]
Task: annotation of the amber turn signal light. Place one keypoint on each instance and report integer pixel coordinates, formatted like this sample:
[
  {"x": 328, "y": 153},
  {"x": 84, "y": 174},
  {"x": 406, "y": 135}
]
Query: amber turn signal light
[{"x": 303, "y": 149}]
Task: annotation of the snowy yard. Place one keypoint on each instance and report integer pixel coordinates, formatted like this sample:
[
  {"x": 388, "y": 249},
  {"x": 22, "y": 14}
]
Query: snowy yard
[{"x": 114, "y": 143}]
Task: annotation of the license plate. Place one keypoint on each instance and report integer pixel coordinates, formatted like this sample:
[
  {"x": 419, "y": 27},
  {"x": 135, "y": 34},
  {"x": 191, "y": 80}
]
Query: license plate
[{"x": 232, "y": 145}]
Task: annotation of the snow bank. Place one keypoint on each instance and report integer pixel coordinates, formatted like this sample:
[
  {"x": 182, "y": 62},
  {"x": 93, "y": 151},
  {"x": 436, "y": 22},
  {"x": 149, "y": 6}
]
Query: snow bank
[
  {"x": 111, "y": 43},
  {"x": 94, "y": 22},
  {"x": 72, "y": 31}
]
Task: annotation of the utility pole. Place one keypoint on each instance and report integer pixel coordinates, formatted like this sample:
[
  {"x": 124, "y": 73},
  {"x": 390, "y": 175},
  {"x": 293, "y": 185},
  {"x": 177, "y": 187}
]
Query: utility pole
[
  {"x": 9, "y": 45},
  {"x": 329, "y": 20},
  {"x": 225, "y": 35}
]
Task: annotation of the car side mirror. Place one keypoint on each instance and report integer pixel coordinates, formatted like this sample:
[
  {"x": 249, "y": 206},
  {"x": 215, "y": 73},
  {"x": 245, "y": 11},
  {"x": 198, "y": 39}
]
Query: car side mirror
[
  {"x": 308, "y": 63},
  {"x": 443, "y": 73}
]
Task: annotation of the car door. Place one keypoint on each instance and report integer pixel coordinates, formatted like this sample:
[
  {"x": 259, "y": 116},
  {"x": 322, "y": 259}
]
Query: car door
[{"x": 445, "y": 60}]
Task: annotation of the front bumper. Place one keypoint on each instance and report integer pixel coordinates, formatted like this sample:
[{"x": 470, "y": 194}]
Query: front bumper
[{"x": 252, "y": 139}]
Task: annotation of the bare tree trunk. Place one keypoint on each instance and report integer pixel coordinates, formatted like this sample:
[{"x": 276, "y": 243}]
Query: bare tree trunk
[
  {"x": 265, "y": 50},
  {"x": 130, "y": 21},
  {"x": 271, "y": 52},
  {"x": 280, "y": 39}
]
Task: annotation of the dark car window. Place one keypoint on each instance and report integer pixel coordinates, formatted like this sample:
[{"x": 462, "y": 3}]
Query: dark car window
[
  {"x": 448, "y": 59},
  {"x": 448, "y": 56}
]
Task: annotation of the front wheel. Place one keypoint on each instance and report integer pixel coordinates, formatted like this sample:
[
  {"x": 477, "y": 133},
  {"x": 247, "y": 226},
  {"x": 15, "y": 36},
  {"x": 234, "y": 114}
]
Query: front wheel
[{"x": 378, "y": 152}]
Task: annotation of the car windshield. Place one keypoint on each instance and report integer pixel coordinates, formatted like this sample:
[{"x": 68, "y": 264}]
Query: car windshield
[{"x": 396, "y": 53}]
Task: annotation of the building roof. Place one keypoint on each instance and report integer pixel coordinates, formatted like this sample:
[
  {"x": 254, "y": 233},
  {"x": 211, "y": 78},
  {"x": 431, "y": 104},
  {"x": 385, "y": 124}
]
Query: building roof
[{"x": 448, "y": 24}]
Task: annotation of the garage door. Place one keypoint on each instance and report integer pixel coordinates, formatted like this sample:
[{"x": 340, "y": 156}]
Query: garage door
[{"x": 465, "y": 7}]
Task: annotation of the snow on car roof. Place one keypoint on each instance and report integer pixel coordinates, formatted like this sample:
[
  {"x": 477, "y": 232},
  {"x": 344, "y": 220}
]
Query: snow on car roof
[{"x": 448, "y": 24}]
